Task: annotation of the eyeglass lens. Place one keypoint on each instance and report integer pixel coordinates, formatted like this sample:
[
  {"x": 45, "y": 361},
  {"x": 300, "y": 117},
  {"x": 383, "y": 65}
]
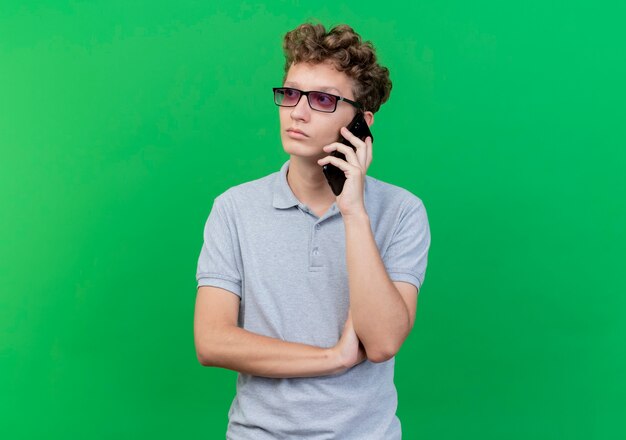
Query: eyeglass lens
[{"x": 288, "y": 97}]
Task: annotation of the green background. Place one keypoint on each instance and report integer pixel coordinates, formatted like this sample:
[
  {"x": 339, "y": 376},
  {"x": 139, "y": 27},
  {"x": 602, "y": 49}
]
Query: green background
[{"x": 120, "y": 122}]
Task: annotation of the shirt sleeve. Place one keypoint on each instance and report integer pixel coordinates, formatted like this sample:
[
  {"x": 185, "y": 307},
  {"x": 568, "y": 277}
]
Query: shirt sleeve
[
  {"x": 219, "y": 261},
  {"x": 406, "y": 257}
]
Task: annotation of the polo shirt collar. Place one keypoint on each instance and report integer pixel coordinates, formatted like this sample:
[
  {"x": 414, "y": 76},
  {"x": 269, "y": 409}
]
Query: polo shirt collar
[{"x": 283, "y": 196}]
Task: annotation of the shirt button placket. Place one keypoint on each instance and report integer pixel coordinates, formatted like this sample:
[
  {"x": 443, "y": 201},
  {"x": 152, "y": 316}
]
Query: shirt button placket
[{"x": 315, "y": 251}]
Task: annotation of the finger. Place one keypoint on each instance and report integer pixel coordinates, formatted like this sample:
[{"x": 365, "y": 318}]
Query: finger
[
  {"x": 358, "y": 144},
  {"x": 347, "y": 134},
  {"x": 341, "y": 164},
  {"x": 351, "y": 156},
  {"x": 346, "y": 326},
  {"x": 368, "y": 152},
  {"x": 349, "y": 318}
]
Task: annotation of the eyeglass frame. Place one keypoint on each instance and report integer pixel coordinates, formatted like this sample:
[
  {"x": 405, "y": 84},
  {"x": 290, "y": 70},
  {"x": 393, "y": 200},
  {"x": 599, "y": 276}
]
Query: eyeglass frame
[{"x": 303, "y": 93}]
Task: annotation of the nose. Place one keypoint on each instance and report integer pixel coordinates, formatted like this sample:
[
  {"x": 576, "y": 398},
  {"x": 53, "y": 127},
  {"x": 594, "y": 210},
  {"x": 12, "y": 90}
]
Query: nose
[{"x": 302, "y": 110}]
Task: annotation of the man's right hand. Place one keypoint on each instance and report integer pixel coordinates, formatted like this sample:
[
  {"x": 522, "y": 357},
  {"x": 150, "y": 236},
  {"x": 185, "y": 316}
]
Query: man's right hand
[{"x": 349, "y": 349}]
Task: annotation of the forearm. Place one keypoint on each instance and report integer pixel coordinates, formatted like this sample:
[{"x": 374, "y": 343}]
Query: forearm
[
  {"x": 240, "y": 350},
  {"x": 381, "y": 318}
]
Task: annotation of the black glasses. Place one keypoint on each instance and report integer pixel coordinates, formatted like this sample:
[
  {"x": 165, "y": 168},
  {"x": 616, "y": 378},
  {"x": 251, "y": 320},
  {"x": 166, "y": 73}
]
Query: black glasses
[{"x": 320, "y": 101}]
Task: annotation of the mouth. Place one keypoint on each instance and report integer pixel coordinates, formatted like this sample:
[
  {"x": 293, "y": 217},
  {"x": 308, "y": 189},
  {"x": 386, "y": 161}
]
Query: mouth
[{"x": 297, "y": 134}]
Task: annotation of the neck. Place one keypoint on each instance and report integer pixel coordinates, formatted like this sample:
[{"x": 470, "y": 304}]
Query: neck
[{"x": 308, "y": 183}]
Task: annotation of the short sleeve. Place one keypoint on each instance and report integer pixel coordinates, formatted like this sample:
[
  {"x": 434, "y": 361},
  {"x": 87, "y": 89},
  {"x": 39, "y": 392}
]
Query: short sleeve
[
  {"x": 219, "y": 261},
  {"x": 406, "y": 257}
]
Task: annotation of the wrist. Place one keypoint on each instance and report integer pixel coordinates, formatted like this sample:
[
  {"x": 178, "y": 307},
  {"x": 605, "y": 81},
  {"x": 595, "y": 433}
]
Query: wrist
[
  {"x": 335, "y": 360},
  {"x": 358, "y": 216}
]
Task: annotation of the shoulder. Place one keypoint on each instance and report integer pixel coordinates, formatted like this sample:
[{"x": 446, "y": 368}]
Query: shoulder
[
  {"x": 386, "y": 197},
  {"x": 247, "y": 193}
]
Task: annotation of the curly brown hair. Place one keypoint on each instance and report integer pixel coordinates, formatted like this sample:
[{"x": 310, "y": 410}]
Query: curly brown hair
[{"x": 341, "y": 46}]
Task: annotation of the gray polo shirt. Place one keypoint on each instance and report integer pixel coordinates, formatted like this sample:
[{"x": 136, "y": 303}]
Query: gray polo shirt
[{"x": 288, "y": 267}]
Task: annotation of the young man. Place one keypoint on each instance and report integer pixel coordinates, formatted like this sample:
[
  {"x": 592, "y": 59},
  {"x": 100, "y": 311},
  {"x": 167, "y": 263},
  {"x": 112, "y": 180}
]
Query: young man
[{"x": 306, "y": 294}]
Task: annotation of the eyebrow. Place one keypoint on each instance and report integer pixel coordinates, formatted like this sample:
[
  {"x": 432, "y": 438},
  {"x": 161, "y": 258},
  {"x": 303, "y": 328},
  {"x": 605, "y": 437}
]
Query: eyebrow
[{"x": 320, "y": 89}]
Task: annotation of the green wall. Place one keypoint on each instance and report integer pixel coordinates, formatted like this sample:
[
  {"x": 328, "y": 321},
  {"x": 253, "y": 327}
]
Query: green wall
[{"x": 121, "y": 121}]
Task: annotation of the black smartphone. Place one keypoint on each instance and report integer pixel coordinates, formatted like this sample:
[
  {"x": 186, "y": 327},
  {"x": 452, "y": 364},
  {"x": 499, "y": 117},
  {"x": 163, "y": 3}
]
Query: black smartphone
[{"x": 335, "y": 177}]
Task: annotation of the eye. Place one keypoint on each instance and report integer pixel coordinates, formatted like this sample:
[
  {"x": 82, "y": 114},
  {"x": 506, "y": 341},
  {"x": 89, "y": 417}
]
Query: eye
[
  {"x": 324, "y": 100},
  {"x": 290, "y": 93}
]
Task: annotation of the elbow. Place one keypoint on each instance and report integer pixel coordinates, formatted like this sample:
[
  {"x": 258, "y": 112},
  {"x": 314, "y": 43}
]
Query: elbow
[
  {"x": 384, "y": 348},
  {"x": 210, "y": 348},
  {"x": 207, "y": 346},
  {"x": 381, "y": 354},
  {"x": 205, "y": 357},
  {"x": 379, "y": 357},
  {"x": 206, "y": 360}
]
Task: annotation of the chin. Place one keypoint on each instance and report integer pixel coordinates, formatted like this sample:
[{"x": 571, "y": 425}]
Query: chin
[{"x": 302, "y": 150}]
